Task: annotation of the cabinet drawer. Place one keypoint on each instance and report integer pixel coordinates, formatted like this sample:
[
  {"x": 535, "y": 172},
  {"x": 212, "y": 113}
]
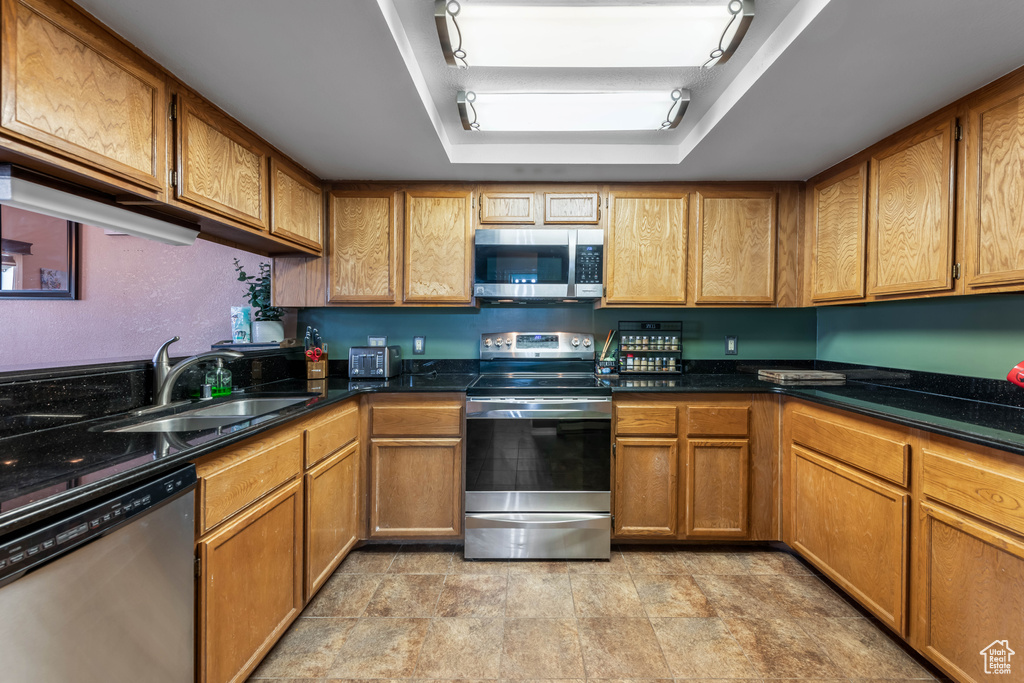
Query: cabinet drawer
[
  {"x": 882, "y": 451},
  {"x": 717, "y": 420},
  {"x": 423, "y": 419},
  {"x": 337, "y": 430},
  {"x": 649, "y": 420},
  {"x": 229, "y": 481},
  {"x": 991, "y": 490}
]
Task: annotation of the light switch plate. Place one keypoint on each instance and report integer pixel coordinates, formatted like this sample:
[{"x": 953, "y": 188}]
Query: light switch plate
[
  {"x": 372, "y": 340},
  {"x": 419, "y": 346}
]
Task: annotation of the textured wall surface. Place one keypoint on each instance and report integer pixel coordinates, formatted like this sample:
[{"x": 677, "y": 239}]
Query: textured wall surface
[
  {"x": 455, "y": 332},
  {"x": 978, "y": 336},
  {"x": 135, "y": 294}
]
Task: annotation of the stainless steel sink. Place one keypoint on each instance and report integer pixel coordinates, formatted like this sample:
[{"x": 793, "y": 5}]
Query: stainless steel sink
[
  {"x": 214, "y": 416},
  {"x": 247, "y": 407},
  {"x": 182, "y": 423}
]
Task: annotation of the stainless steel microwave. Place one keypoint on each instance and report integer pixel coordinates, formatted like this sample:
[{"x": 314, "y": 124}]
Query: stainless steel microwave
[{"x": 543, "y": 265}]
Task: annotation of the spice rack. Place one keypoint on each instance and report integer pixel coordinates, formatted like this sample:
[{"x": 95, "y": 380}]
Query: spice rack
[{"x": 650, "y": 348}]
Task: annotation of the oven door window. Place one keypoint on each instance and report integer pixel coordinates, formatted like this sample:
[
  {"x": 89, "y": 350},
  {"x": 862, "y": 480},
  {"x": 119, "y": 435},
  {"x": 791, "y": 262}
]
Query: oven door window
[
  {"x": 538, "y": 455},
  {"x": 526, "y": 264}
]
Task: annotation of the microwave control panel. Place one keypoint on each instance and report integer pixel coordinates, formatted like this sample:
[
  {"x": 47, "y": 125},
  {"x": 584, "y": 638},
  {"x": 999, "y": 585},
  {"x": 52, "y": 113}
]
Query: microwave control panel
[{"x": 589, "y": 265}]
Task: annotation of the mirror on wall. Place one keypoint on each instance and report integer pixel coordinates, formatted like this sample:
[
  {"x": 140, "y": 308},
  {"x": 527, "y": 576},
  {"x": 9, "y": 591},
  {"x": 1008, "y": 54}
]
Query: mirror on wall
[{"x": 38, "y": 255}]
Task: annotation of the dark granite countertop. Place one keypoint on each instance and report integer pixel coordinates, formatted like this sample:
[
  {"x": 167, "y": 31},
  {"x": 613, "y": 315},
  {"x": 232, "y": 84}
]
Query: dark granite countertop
[{"x": 51, "y": 470}]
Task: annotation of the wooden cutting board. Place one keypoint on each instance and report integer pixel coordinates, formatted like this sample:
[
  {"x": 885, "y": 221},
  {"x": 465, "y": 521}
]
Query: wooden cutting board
[{"x": 804, "y": 376}]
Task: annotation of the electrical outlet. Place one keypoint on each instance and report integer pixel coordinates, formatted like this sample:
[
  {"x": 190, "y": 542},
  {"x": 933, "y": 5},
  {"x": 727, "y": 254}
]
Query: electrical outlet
[
  {"x": 732, "y": 345},
  {"x": 419, "y": 346}
]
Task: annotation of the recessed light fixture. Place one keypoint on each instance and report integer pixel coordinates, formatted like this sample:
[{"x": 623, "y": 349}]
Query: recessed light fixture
[
  {"x": 566, "y": 112},
  {"x": 563, "y": 33}
]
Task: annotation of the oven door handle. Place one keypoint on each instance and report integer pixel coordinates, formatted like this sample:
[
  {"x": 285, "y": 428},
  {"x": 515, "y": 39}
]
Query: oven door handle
[
  {"x": 545, "y": 520},
  {"x": 542, "y": 414}
]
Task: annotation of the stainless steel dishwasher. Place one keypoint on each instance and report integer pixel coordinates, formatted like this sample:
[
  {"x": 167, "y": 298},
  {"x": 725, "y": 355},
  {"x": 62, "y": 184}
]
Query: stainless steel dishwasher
[{"x": 106, "y": 593}]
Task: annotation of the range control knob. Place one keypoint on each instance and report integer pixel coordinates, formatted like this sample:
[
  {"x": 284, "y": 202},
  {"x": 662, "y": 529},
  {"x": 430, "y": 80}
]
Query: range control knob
[
  {"x": 586, "y": 342},
  {"x": 488, "y": 342},
  {"x": 499, "y": 341},
  {"x": 575, "y": 341}
]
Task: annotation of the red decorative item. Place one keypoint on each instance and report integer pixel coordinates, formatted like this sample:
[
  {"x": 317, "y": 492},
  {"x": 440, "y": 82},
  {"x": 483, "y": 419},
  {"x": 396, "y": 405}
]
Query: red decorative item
[{"x": 1017, "y": 374}]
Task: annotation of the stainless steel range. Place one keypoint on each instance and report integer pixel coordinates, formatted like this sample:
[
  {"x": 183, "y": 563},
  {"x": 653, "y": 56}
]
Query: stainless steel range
[{"x": 538, "y": 449}]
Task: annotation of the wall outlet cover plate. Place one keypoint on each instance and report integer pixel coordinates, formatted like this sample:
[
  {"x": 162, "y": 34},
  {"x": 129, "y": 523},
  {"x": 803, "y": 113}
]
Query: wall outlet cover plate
[{"x": 419, "y": 345}]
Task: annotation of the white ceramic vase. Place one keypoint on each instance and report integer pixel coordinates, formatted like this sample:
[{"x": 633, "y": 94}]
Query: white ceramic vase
[{"x": 264, "y": 331}]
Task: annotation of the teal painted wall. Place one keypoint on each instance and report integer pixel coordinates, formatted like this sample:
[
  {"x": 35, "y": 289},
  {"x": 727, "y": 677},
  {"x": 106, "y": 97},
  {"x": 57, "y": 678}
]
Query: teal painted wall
[
  {"x": 455, "y": 332},
  {"x": 978, "y": 336}
]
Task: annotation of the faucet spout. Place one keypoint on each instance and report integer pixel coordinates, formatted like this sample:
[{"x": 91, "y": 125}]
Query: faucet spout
[
  {"x": 162, "y": 363},
  {"x": 164, "y": 386}
]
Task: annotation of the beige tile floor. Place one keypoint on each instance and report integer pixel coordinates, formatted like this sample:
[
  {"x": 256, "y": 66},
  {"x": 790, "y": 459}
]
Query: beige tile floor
[{"x": 649, "y": 614}]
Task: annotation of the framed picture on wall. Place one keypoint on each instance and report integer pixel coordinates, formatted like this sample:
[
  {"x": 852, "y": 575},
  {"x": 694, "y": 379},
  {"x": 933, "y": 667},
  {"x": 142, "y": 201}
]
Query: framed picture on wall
[{"x": 53, "y": 279}]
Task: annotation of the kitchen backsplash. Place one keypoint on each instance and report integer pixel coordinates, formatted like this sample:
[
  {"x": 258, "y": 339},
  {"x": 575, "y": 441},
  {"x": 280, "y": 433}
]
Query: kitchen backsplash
[
  {"x": 976, "y": 336},
  {"x": 455, "y": 332}
]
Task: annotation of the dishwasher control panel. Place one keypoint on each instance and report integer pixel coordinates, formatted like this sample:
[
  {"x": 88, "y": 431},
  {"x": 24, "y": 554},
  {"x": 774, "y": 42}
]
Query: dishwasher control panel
[{"x": 21, "y": 553}]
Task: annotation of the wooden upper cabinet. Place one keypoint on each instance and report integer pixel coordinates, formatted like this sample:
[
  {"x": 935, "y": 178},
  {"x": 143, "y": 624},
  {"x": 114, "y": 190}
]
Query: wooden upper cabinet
[
  {"x": 507, "y": 208},
  {"x": 296, "y": 205},
  {"x": 363, "y": 264},
  {"x": 735, "y": 247},
  {"x": 73, "y": 89},
  {"x": 993, "y": 202},
  {"x": 438, "y": 246},
  {"x": 572, "y": 207},
  {"x": 910, "y": 214},
  {"x": 221, "y": 167},
  {"x": 838, "y": 224},
  {"x": 645, "y": 249}
]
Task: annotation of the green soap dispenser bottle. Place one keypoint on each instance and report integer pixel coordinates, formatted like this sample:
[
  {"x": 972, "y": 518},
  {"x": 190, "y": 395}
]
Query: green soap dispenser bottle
[{"x": 219, "y": 377}]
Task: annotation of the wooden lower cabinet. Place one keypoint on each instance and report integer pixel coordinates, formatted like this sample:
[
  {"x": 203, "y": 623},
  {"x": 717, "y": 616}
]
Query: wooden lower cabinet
[
  {"x": 646, "y": 488},
  {"x": 332, "y": 515},
  {"x": 417, "y": 488},
  {"x": 684, "y": 467},
  {"x": 971, "y": 594},
  {"x": 717, "y": 488},
  {"x": 250, "y": 585},
  {"x": 855, "y": 529}
]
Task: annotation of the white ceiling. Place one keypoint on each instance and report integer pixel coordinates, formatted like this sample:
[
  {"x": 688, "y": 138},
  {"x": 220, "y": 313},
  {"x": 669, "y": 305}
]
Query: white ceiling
[{"x": 325, "y": 82}]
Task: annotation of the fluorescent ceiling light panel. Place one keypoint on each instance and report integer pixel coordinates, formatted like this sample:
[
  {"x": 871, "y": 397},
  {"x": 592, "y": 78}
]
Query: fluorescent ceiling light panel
[
  {"x": 567, "y": 34},
  {"x": 565, "y": 112}
]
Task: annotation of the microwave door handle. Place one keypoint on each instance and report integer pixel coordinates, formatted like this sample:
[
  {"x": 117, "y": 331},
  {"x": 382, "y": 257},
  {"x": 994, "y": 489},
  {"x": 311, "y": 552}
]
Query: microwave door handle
[{"x": 572, "y": 265}]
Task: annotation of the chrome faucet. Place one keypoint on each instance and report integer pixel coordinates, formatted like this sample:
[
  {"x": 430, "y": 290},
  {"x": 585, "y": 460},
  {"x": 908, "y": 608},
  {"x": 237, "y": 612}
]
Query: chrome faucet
[{"x": 165, "y": 376}]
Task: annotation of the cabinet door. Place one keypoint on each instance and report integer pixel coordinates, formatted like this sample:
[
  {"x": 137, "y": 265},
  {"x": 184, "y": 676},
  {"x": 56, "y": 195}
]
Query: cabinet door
[
  {"x": 646, "y": 249},
  {"x": 296, "y": 205},
  {"x": 646, "y": 480},
  {"x": 971, "y": 592},
  {"x": 250, "y": 587},
  {"x": 332, "y": 499},
  {"x": 839, "y": 221},
  {"x": 417, "y": 488},
  {"x": 572, "y": 207},
  {"x": 736, "y": 247},
  {"x": 994, "y": 197},
  {"x": 910, "y": 215},
  {"x": 221, "y": 167},
  {"x": 717, "y": 488},
  {"x": 854, "y": 529},
  {"x": 507, "y": 207},
  {"x": 438, "y": 247},
  {"x": 363, "y": 263},
  {"x": 75, "y": 90}
]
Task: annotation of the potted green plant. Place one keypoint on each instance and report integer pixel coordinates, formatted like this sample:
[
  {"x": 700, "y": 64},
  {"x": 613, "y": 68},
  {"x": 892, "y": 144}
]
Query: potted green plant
[{"x": 266, "y": 325}]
